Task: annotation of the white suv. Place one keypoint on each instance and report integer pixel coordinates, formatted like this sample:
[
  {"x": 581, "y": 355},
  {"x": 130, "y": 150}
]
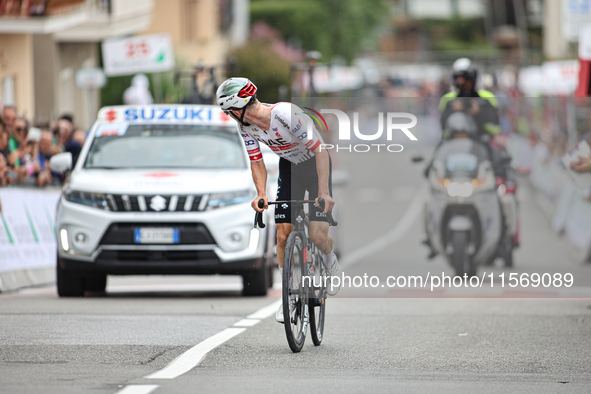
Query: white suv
[{"x": 160, "y": 189}]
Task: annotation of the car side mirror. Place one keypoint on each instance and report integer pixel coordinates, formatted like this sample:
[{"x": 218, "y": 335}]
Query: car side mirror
[{"x": 61, "y": 162}]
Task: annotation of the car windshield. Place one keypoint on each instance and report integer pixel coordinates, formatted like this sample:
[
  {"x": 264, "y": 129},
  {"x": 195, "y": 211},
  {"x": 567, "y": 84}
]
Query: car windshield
[{"x": 122, "y": 145}]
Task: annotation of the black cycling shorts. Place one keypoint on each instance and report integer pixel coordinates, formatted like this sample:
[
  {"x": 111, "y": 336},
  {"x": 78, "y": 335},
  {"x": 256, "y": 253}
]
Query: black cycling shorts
[{"x": 294, "y": 180}]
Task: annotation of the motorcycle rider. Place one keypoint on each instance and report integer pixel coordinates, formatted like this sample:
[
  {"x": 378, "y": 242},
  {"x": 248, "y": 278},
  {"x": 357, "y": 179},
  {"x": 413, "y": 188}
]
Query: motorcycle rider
[{"x": 483, "y": 107}]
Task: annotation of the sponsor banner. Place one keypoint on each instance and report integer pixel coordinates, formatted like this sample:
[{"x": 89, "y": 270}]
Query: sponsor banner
[
  {"x": 27, "y": 233},
  {"x": 141, "y": 54},
  {"x": 119, "y": 116},
  {"x": 575, "y": 15}
]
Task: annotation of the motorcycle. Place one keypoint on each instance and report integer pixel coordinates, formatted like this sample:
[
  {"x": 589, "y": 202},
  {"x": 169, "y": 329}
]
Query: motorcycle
[{"x": 464, "y": 216}]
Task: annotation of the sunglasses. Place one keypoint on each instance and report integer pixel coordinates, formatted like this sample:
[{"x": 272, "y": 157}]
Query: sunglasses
[
  {"x": 227, "y": 112},
  {"x": 19, "y": 129}
]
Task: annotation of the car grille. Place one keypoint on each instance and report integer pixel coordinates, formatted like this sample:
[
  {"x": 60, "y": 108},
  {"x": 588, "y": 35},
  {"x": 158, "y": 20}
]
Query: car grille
[
  {"x": 190, "y": 233},
  {"x": 156, "y": 203},
  {"x": 147, "y": 255}
]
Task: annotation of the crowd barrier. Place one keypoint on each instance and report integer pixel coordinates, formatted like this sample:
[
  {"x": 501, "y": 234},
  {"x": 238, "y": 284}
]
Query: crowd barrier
[
  {"x": 28, "y": 246},
  {"x": 571, "y": 212}
]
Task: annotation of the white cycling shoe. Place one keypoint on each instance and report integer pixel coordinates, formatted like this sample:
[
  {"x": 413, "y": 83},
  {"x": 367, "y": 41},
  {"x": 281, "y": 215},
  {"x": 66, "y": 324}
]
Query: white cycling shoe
[
  {"x": 279, "y": 314},
  {"x": 333, "y": 270}
]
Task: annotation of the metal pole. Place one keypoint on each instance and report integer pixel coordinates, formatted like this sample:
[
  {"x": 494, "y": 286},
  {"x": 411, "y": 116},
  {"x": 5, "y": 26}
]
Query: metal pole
[
  {"x": 489, "y": 22},
  {"x": 91, "y": 107},
  {"x": 521, "y": 22},
  {"x": 157, "y": 81},
  {"x": 312, "y": 90}
]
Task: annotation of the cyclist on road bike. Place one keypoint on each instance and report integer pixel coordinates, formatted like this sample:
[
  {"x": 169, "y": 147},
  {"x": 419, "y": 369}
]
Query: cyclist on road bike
[{"x": 303, "y": 165}]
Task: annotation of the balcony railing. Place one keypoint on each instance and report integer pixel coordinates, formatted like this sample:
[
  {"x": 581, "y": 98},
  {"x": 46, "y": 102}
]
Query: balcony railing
[{"x": 37, "y": 8}]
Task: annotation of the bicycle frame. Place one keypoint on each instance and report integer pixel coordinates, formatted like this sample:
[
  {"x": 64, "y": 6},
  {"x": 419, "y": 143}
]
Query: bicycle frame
[
  {"x": 302, "y": 223},
  {"x": 309, "y": 300}
]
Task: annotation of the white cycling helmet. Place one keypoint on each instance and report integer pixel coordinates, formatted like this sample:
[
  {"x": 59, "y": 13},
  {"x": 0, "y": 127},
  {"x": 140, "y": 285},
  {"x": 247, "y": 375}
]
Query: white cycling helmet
[{"x": 235, "y": 93}]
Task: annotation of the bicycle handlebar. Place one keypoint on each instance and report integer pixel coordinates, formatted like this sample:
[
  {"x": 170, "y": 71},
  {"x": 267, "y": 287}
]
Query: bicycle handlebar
[{"x": 258, "y": 218}]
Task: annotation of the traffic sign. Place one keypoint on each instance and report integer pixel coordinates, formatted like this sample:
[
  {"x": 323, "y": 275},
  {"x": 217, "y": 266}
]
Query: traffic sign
[{"x": 90, "y": 78}]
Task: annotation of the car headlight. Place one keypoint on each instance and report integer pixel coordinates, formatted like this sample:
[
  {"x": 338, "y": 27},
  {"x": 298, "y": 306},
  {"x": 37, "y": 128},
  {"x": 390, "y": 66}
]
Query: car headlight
[
  {"x": 95, "y": 200},
  {"x": 219, "y": 200},
  {"x": 456, "y": 189}
]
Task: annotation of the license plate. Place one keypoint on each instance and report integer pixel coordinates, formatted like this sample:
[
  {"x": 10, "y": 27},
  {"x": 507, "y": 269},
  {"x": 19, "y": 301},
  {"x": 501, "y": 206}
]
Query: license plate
[{"x": 159, "y": 235}]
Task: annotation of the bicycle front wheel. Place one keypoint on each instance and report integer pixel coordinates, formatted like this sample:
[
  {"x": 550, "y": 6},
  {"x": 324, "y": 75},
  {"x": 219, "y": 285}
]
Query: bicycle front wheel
[
  {"x": 317, "y": 299},
  {"x": 295, "y": 293}
]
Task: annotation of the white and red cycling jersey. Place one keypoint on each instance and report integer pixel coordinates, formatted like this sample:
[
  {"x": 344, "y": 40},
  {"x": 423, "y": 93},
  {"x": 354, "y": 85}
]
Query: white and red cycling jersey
[{"x": 289, "y": 135}]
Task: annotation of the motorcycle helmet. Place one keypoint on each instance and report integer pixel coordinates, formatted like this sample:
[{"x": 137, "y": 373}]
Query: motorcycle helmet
[{"x": 464, "y": 67}]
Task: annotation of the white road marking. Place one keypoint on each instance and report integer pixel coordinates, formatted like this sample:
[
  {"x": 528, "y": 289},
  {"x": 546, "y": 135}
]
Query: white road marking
[
  {"x": 246, "y": 323},
  {"x": 189, "y": 360},
  {"x": 410, "y": 216},
  {"x": 265, "y": 312},
  {"x": 138, "y": 389}
]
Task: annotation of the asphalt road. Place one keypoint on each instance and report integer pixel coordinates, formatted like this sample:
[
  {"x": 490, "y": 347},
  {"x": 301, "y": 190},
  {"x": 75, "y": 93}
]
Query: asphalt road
[{"x": 382, "y": 339}]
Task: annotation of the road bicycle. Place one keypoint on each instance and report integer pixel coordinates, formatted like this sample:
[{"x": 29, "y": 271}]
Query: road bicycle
[{"x": 304, "y": 278}]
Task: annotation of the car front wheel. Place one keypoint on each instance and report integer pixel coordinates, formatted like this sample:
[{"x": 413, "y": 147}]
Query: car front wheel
[
  {"x": 255, "y": 283},
  {"x": 69, "y": 284}
]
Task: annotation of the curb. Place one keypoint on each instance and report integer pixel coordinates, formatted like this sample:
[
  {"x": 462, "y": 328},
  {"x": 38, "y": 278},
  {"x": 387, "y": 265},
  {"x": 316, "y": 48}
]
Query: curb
[{"x": 15, "y": 280}]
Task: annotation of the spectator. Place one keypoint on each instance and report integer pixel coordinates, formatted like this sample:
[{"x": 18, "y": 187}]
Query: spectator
[
  {"x": 45, "y": 152},
  {"x": 66, "y": 128},
  {"x": 9, "y": 117},
  {"x": 4, "y": 141},
  {"x": 139, "y": 91},
  {"x": 19, "y": 134},
  {"x": 583, "y": 165},
  {"x": 5, "y": 179},
  {"x": 75, "y": 145}
]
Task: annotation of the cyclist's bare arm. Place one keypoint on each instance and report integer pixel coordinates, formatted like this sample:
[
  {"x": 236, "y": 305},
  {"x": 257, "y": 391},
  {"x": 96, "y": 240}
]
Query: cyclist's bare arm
[
  {"x": 259, "y": 176},
  {"x": 323, "y": 169}
]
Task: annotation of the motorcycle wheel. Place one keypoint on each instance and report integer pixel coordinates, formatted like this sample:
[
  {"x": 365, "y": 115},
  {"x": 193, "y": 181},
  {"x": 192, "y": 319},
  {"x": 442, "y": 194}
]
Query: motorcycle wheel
[{"x": 460, "y": 259}]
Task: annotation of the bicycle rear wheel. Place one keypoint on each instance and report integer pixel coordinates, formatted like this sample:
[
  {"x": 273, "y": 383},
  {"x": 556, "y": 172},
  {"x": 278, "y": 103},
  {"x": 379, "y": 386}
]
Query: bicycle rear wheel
[
  {"x": 295, "y": 292},
  {"x": 317, "y": 300}
]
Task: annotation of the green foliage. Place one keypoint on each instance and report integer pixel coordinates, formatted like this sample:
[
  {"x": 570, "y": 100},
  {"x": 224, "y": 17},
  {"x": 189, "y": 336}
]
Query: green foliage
[
  {"x": 333, "y": 27},
  {"x": 112, "y": 92},
  {"x": 455, "y": 34},
  {"x": 257, "y": 62}
]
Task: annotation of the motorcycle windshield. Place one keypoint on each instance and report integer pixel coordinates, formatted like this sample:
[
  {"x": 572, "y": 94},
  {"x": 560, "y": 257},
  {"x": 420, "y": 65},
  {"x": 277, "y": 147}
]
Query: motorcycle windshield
[{"x": 461, "y": 157}]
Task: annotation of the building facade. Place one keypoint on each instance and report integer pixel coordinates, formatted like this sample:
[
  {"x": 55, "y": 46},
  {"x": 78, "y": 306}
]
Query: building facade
[{"x": 44, "y": 43}]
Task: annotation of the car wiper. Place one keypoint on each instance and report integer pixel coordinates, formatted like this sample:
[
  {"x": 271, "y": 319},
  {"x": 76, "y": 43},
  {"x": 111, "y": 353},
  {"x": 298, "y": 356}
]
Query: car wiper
[{"x": 103, "y": 168}]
